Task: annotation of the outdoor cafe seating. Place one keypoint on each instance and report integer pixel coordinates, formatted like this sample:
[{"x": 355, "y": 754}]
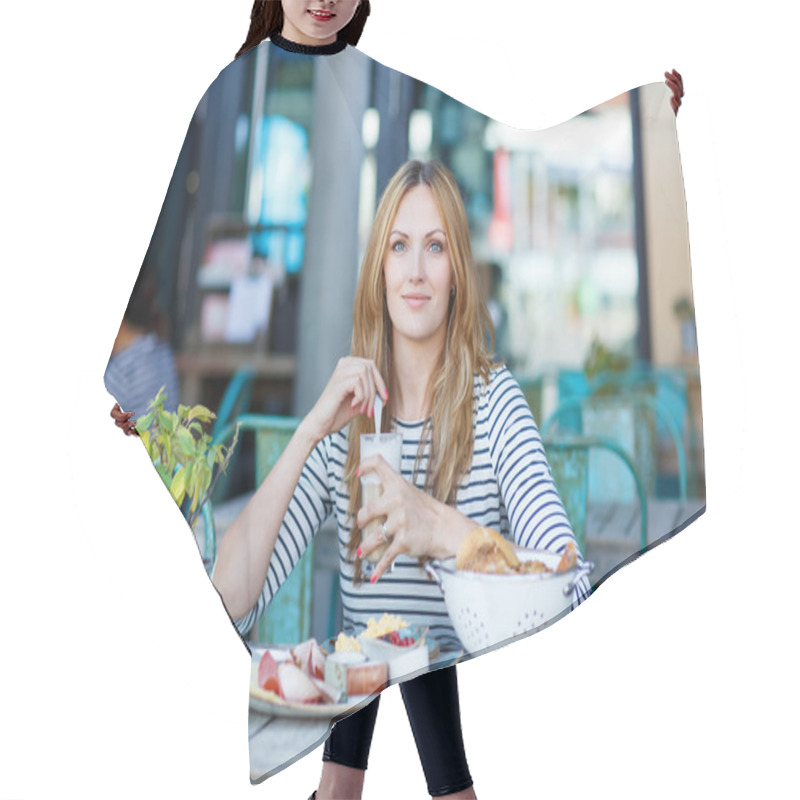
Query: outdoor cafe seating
[
  {"x": 288, "y": 619},
  {"x": 605, "y": 442}
]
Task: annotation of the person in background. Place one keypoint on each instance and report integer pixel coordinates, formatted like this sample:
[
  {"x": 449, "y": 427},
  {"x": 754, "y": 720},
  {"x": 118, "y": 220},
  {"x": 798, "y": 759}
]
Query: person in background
[
  {"x": 297, "y": 24},
  {"x": 141, "y": 360}
]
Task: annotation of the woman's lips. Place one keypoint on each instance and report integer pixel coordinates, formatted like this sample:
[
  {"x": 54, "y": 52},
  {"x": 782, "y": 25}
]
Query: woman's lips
[
  {"x": 415, "y": 300},
  {"x": 322, "y": 16}
]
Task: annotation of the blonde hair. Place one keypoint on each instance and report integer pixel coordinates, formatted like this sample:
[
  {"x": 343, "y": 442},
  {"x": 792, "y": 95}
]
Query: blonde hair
[{"x": 465, "y": 353}]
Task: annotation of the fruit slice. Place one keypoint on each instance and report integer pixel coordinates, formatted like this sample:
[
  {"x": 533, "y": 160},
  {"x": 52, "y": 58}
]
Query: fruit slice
[
  {"x": 296, "y": 686},
  {"x": 268, "y": 673}
]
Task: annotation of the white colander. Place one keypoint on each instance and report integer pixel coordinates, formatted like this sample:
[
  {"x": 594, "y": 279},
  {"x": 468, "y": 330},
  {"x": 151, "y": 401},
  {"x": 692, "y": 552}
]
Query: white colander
[{"x": 490, "y": 610}]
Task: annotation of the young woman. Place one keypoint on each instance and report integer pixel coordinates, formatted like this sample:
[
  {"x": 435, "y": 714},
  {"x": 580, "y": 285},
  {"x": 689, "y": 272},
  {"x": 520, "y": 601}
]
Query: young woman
[{"x": 471, "y": 456}]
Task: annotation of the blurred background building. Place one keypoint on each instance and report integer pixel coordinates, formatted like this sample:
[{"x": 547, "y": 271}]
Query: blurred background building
[{"x": 581, "y": 228}]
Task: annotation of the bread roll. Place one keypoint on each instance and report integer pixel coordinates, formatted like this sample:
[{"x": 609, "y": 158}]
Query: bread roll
[{"x": 485, "y": 550}]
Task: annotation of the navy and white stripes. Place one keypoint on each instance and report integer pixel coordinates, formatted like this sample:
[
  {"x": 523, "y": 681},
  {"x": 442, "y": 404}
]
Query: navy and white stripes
[
  {"x": 509, "y": 488},
  {"x": 134, "y": 375}
]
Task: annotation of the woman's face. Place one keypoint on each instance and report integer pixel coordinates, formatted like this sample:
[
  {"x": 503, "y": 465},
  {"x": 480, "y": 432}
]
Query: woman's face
[
  {"x": 417, "y": 271},
  {"x": 315, "y": 22}
]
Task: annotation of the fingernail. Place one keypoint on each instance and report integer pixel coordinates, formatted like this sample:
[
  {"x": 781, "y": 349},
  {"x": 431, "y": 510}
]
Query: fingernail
[
  {"x": 373, "y": 578},
  {"x": 358, "y": 552},
  {"x": 358, "y": 472}
]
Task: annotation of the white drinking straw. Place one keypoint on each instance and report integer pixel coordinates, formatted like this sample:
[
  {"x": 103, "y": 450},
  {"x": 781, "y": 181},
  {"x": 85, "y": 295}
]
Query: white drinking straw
[{"x": 378, "y": 412}]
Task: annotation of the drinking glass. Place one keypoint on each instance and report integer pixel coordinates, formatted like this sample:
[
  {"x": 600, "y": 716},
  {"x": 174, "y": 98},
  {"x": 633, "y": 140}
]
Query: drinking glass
[{"x": 388, "y": 445}]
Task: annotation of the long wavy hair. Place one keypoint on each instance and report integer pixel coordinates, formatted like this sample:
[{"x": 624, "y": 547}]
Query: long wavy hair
[
  {"x": 266, "y": 19},
  {"x": 466, "y": 351}
]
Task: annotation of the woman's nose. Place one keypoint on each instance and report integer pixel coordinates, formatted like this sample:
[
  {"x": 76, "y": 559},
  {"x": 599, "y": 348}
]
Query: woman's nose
[{"x": 418, "y": 266}]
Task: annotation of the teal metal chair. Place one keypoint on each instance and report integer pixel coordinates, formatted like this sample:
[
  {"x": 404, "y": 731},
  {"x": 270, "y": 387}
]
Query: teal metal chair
[
  {"x": 667, "y": 387},
  {"x": 578, "y": 415},
  {"x": 670, "y": 391},
  {"x": 568, "y": 457},
  {"x": 235, "y": 401},
  {"x": 209, "y": 533},
  {"x": 287, "y": 619}
]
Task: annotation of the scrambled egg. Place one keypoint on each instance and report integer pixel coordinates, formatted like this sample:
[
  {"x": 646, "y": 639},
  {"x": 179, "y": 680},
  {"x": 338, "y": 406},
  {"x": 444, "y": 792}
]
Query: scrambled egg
[
  {"x": 387, "y": 624},
  {"x": 347, "y": 644}
]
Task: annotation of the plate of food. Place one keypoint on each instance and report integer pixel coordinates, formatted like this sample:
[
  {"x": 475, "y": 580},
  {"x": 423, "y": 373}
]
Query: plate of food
[
  {"x": 309, "y": 681},
  {"x": 283, "y": 683}
]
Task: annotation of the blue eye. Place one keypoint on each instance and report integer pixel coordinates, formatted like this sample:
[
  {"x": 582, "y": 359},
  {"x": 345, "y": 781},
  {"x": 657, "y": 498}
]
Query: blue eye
[
  {"x": 437, "y": 247},
  {"x": 398, "y": 247}
]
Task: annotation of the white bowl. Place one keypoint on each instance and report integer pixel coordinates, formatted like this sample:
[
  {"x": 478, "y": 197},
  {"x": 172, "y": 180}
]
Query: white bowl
[{"x": 489, "y": 610}]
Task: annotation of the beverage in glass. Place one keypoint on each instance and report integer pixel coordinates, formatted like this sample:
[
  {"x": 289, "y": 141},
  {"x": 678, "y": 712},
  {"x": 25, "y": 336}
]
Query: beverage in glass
[{"x": 388, "y": 445}]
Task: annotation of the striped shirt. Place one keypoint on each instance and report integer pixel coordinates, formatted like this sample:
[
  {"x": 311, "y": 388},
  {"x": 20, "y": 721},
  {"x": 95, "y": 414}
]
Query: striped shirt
[
  {"x": 509, "y": 488},
  {"x": 134, "y": 375}
]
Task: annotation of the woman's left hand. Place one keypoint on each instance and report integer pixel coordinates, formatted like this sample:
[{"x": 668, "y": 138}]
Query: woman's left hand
[
  {"x": 416, "y": 523},
  {"x": 124, "y": 420},
  {"x": 675, "y": 82}
]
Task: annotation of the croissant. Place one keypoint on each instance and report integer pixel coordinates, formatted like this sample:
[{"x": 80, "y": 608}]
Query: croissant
[{"x": 485, "y": 550}]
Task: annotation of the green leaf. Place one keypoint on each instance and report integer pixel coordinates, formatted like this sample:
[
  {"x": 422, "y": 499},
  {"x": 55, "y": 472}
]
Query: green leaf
[
  {"x": 202, "y": 413},
  {"x": 186, "y": 442},
  {"x": 145, "y": 422},
  {"x": 191, "y": 490},
  {"x": 178, "y": 486},
  {"x": 183, "y": 411},
  {"x": 203, "y": 478},
  {"x": 197, "y": 485},
  {"x": 168, "y": 453},
  {"x": 158, "y": 400},
  {"x": 145, "y": 438},
  {"x": 164, "y": 473}
]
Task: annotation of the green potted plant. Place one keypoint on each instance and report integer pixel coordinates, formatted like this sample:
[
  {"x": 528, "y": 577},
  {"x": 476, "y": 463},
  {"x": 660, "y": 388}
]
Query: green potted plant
[{"x": 182, "y": 453}]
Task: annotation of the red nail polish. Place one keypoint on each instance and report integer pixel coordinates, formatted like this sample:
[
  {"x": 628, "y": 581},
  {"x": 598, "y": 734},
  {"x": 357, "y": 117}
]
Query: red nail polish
[
  {"x": 373, "y": 578},
  {"x": 358, "y": 552},
  {"x": 358, "y": 472}
]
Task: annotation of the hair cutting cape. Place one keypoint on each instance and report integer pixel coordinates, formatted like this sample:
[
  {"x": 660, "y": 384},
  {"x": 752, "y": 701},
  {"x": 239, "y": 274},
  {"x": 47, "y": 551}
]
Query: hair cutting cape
[{"x": 590, "y": 433}]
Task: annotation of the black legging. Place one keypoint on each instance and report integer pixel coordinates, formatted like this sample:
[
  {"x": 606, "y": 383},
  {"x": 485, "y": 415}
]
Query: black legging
[{"x": 432, "y": 706}]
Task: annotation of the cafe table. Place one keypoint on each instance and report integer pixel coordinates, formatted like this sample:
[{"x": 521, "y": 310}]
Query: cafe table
[{"x": 277, "y": 738}]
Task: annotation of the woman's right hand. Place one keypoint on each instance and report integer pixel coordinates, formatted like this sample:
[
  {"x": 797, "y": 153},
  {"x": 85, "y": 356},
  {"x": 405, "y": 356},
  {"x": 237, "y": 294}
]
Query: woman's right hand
[
  {"x": 350, "y": 391},
  {"x": 124, "y": 420}
]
